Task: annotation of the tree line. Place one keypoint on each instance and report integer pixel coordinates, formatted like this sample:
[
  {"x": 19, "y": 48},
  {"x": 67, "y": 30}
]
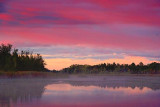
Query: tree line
[
  {"x": 13, "y": 60},
  {"x": 152, "y": 68}
]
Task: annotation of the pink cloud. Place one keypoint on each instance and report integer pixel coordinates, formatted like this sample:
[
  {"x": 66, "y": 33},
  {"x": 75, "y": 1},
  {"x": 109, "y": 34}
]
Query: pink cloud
[
  {"x": 131, "y": 25},
  {"x": 77, "y": 36},
  {"x": 95, "y": 11},
  {"x": 5, "y": 17}
]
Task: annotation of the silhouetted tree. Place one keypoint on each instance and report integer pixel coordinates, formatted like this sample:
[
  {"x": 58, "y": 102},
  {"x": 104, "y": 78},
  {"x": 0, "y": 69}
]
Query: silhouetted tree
[
  {"x": 14, "y": 61},
  {"x": 104, "y": 68}
]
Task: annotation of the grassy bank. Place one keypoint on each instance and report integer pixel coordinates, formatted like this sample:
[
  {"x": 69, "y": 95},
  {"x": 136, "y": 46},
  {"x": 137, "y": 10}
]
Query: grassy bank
[
  {"x": 112, "y": 74},
  {"x": 37, "y": 74},
  {"x": 25, "y": 74}
]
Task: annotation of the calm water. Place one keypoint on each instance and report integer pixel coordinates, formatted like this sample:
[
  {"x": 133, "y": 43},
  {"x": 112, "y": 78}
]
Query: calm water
[{"x": 93, "y": 91}]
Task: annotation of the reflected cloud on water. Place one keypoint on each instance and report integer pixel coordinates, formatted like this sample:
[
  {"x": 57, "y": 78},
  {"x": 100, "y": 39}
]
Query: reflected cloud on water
[
  {"x": 14, "y": 91},
  {"x": 80, "y": 91}
]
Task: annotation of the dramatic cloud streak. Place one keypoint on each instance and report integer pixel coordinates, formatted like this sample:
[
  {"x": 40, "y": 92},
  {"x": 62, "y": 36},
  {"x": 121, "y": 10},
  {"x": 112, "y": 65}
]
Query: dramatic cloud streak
[{"x": 83, "y": 29}]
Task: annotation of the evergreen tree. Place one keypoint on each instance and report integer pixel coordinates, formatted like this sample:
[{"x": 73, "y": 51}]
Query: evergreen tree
[{"x": 23, "y": 61}]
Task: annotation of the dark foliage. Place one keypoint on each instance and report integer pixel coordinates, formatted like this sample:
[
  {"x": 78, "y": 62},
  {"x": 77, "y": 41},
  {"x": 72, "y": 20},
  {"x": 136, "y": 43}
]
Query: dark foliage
[
  {"x": 12, "y": 60},
  {"x": 152, "y": 68}
]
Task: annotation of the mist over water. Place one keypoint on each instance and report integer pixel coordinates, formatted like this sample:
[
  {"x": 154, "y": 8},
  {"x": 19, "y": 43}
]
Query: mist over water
[{"x": 81, "y": 91}]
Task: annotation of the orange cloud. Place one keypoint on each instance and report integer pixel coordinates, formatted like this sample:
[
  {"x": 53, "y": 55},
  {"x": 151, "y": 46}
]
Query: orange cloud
[{"x": 63, "y": 63}]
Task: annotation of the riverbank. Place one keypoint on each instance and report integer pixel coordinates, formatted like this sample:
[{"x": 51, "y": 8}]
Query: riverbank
[
  {"x": 37, "y": 74},
  {"x": 29, "y": 74}
]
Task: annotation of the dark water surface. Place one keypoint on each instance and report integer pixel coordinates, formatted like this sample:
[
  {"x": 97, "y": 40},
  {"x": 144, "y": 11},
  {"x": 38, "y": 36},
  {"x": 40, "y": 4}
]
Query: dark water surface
[{"x": 86, "y": 91}]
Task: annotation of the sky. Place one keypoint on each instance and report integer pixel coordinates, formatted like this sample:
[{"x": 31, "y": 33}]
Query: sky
[{"x": 67, "y": 32}]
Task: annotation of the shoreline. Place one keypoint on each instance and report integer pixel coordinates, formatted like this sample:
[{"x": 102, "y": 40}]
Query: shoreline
[{"x": 37, "y": 74}]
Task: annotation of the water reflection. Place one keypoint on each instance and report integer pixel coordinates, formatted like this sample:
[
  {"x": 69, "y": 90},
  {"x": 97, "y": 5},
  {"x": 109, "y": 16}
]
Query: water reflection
[
  {"x": 81, "y": 92},
  {"x": 14, "y": 91},
  {"x": 69, "y": 87},
  {"x": 93, "y": 96}
]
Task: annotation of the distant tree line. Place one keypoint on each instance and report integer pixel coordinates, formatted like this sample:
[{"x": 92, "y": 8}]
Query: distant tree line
[
  {"x": 13, "y": 60},
  {"x": 152, "y": 68}
]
